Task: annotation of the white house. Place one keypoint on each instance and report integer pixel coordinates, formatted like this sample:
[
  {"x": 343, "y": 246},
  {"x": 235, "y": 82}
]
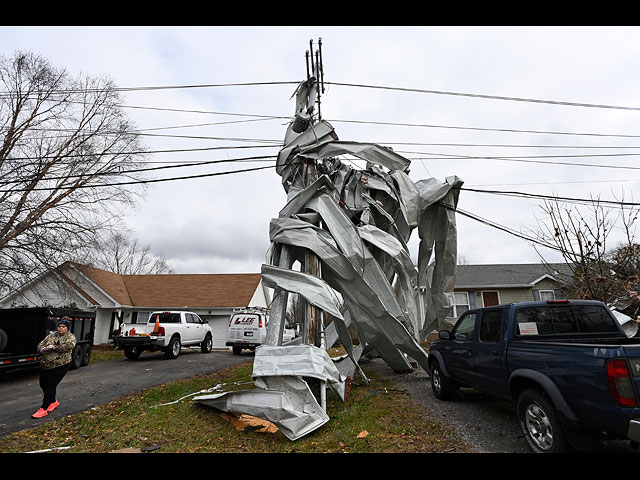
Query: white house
[{"x": 130, "y": 298}]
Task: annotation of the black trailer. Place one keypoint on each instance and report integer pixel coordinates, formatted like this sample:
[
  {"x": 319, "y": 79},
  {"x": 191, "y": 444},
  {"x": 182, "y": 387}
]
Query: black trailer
[{"x": 21, "y": 329}]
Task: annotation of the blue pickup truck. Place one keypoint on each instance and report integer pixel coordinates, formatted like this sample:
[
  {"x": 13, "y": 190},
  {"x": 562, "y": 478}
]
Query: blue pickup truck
[{"x": 567, "y": 365}]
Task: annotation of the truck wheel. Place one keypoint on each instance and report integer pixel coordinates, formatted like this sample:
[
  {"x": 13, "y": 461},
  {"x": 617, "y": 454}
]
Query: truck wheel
[
  {"x": 540, "y": 423},
  {"x": 132, "y": 353},
  {"x": 76, "y": 357},
  {"x": 443, "y": 388},
  {"x": 86, "y": 355},
  {"x": 237, "y": 350},
  {"x": 173, "y": 349},
  {"x": 207, "y": 345}
]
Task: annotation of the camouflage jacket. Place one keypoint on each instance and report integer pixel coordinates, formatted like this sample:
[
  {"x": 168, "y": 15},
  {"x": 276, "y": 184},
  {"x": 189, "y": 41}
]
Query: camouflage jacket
[{"x": 60, "y": 354}]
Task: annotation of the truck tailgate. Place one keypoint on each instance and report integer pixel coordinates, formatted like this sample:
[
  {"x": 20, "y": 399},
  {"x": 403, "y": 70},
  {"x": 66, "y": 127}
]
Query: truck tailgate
[{"x": 633, "y": 354}]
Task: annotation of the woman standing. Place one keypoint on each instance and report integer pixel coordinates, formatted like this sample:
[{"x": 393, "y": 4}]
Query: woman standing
[{"x": 56, "y": 351}]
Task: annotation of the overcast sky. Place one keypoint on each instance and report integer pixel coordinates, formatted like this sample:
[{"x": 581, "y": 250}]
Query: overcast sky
[{"x": 220, "y": 224}]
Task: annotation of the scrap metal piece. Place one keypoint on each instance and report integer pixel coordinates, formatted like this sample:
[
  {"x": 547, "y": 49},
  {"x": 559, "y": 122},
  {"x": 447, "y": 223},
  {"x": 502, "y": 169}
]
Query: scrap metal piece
[
  {"x": 292, "y": 407},
  {"x": 283, "y": 397},
  {"x": 313, "y": 289}
]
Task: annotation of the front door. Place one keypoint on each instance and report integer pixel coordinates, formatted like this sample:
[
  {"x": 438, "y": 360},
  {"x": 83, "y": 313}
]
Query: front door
[{"x": 489, "y": 299}]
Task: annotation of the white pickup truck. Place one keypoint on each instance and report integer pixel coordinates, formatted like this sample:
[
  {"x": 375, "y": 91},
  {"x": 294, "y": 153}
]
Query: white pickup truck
[{"x": 166, "y": 331}]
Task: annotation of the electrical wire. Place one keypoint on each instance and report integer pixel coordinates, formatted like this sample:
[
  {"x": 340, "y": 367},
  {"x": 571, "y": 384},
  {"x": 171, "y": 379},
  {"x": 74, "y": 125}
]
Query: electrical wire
[
  {"x": 500, "y": 227},
  {"x": 147, "y": 169},
  {"x": 343, "y": 84},
  {"x": 490, "y": 97},
  {"x": 552, "y": 197},
  {"x": 136, "y": 182}
]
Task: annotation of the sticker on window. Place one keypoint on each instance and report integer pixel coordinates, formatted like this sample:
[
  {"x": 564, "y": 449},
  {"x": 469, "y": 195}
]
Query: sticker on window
[{"x": 528, "y": 328}]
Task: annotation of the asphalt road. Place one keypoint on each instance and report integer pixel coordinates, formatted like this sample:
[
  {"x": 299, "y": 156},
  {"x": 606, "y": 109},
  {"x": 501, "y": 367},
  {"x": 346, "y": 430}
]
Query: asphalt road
[{"x": 101, "y": 382}]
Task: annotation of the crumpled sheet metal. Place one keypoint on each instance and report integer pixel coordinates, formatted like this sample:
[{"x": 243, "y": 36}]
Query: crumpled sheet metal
[
  {"x": 282, "y": 396},
  {"x": 298, "y": 360},
  {"x": 313, "y": 289},
  {"x": 289, "y": 405},
  {"x": 364, "y": 287},
  {"x": 358, "y": 222}
]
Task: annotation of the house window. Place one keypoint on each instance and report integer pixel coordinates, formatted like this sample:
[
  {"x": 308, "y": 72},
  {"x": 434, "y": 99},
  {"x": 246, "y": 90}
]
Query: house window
[
  {"x": 461, "y": 303},
  {"x": 547, "y": 295}
]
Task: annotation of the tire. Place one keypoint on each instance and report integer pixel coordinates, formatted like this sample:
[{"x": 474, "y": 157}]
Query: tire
[
  {"x": 207, "y": 345},
  {"x": 237, "y": 350},
  {"x": 132, "y": 353},
  {"x": 173, "y": 349},
  {"x": 76, "y": 357},
  {"x": 442, "y": 386},
  {"x": 86, "y": 355},
  {"x": 540, "y": 424}
]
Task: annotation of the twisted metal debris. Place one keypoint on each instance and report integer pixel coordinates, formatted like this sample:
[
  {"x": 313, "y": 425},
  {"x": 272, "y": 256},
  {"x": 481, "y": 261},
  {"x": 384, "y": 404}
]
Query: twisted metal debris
[{"x": 358, "y": 223}]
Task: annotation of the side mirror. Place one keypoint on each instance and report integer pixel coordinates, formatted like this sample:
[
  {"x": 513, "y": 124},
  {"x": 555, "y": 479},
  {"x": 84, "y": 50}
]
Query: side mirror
[{"x": 444, "y": 335}]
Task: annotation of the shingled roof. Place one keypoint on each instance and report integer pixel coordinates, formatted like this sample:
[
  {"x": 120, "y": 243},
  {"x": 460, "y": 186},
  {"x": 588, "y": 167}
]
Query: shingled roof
[
  {"x": 175, "y": 290},
  {"x": 508, "y": 275}
]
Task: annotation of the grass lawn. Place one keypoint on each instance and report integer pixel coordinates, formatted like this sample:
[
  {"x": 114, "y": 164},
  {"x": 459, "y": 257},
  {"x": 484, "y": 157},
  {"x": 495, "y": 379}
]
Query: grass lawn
[{"x": 376, "y": 418}]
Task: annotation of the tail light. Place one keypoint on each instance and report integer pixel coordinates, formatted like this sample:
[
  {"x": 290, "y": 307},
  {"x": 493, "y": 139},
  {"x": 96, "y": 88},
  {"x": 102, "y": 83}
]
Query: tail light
[
  {"x": 159, "y": 331},
  {"x": 259, "y": 322},
  {"x": 621, "y": 383}
]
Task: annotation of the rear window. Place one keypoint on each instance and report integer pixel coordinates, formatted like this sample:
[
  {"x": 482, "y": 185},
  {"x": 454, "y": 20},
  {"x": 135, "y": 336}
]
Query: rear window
[
  {"x": 565, "y": 319},
  {"x": 165, "y": 318}
]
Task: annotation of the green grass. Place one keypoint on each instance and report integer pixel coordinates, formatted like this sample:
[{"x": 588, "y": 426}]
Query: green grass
[{"x": 384, "y": 418}]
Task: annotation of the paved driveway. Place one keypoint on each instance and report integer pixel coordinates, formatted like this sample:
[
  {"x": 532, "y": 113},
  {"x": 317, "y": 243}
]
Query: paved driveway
[{"x": 99, "y": 383}]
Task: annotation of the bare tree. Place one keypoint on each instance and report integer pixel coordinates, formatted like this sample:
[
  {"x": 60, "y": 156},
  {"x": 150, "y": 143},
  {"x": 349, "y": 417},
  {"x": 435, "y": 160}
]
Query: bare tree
[
  {"x": 119, "y": 253},
  {"x": 583, "y": 235},
  {"x": 66, "y": 148}
]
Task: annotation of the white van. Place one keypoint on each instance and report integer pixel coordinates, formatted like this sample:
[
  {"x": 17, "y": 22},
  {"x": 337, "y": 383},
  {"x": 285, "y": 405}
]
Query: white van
[{"x": 248, "y": 329}]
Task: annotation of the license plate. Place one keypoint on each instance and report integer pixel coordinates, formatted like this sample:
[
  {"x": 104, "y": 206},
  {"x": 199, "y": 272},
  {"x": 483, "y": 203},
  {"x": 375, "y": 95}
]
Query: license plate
[{"x": 248, "y": 334}]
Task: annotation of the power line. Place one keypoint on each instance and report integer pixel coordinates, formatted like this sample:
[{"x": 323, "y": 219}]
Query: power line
[
  {"x": 139, "y": 170},
  {"x": 552, "y": 197},
  {"x": 160, "y": 87},
  {"x": 135, "y": 182},
  {"x": 523, "y": 160},
  {"x": 398, "y": 124},
  {"x": 505, "y": 130},
  {"x": 144, "y": 152},
  {"x": 342, "y": 84},
  {"x": 499, "y": 227},
  {"x": 551, "y": 182},
  {"x": 490, "y": 97}
]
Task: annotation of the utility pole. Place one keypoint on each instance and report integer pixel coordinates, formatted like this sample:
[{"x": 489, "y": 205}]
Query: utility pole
[
  {"x": 312, "y": 333},
  {"x": 312, "y": 325}
]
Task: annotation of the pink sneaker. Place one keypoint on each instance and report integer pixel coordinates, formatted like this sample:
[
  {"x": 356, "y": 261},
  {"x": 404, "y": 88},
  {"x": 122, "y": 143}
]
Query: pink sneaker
[
  {"x": 53, "y": 406},
  {"x": 40, "y": 413}
]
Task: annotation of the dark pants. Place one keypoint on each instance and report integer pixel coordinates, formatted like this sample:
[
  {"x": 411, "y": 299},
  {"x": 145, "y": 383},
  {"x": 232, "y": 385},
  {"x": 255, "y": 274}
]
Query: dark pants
[{"x": 49, "y": 380}]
